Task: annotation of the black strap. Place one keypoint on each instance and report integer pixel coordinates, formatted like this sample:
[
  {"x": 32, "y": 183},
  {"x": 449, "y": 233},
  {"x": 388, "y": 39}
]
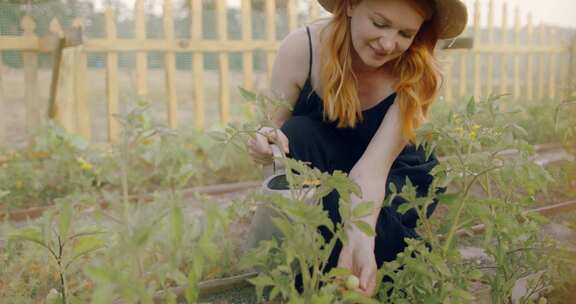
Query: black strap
[{"x": 310, "y": 46}]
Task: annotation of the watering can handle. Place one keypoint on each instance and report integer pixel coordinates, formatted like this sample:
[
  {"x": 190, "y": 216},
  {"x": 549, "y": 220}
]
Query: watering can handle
[{"x": 276, "y": 164}]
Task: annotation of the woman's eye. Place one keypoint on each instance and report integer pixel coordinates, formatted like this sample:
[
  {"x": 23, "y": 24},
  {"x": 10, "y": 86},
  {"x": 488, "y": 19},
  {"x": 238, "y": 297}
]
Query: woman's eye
[{"x": 378, "y": 25}]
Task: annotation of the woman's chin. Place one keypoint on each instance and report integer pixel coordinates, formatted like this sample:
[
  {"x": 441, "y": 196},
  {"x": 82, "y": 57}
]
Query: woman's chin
[{"x": 375, "y": 63}]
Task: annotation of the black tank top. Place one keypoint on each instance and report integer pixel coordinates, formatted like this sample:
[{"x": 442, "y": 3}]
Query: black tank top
[
  {"x": 411, "y": 162},
  {"x": 310, "y": 104}
]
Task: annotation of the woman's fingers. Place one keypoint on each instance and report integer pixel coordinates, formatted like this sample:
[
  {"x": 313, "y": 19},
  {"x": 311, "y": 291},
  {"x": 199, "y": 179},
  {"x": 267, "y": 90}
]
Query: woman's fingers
[
  {"x": 259, "y": 149},
  {"x": 259, "y": 146},
  {"x": 262, "y": 145},
  {"x": 283, "y": 141},
  {"x": 368, "y": 280}
]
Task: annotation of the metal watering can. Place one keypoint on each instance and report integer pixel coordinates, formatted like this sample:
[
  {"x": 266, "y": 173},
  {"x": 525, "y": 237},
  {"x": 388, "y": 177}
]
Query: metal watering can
[{"x": 262, "y": 228}]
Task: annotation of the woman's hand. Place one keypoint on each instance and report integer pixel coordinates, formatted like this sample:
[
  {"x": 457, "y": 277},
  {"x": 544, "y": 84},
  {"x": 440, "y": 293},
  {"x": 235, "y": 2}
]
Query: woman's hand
[
  {"x": 358, "y": 256},
  {"x": 259, "y": 146}
]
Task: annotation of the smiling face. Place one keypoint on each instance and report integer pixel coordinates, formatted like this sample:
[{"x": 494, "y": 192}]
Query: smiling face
[{"x": 382, "y": 30}]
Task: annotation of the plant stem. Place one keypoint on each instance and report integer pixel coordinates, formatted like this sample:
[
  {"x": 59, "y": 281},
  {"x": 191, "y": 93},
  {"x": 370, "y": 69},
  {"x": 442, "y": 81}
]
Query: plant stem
[
  {"x": 61, "y": 271},
  {"x": 454, "y": 226}
]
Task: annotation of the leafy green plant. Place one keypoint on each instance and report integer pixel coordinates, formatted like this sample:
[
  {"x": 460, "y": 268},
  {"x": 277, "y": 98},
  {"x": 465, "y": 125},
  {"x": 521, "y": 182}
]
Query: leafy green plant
[
  {"x": 303, "y": 250},
  {"x": 55, "y": 165},
  {"x": 485, "y": 188},
  {"x": 64, "y": 244}
]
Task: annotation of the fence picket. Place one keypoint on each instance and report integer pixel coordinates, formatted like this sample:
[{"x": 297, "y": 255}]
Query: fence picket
[
  {"x": 197, "y": 63},
  {"x": 270, "y": 35},
  {"x": 83, "y": 117},
  {"x": 552, "y": 66},
  {"x": 34, "y": 113},
  {"x": 503, "y": 56},
  {"x": 477, "y": 67},
  {"x": 223, "y": 62},
  {"x": 516, "y": 89},
  {"x": 247, "y": 56},
  {"x": 490, "y": 57},
  {"x": 170, "y": 67},
  {"x": 141, "y": 59},
  {"x": 112, "y": 90},
  {"x": 3, "y": 108},
  {"x": 530, "y": 66},
  {"x": 541, "y": 57}
]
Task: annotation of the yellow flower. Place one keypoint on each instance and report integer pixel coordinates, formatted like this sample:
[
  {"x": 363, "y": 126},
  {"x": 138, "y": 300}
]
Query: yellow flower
[
  {"x": 39, "y": 154},
  {"x": 18, "y": 184},
  {"x": 84, "y": 165},
  {"x": 472, "y": 135},
  {"x": 314, "y": 182},
  {"x": 460, "y": 131}
]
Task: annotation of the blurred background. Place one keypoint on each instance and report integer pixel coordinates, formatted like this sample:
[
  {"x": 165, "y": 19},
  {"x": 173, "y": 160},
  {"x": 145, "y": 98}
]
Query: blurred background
[{"x": 188, "y": 57}]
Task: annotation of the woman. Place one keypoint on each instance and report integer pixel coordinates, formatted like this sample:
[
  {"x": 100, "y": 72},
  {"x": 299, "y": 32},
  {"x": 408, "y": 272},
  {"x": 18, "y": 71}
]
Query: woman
[{"x": 359, "y": 90}]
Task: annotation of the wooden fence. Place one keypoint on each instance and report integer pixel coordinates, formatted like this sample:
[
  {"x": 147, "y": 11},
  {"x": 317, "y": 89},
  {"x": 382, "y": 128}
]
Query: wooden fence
[{"x": 531, "y": 64}]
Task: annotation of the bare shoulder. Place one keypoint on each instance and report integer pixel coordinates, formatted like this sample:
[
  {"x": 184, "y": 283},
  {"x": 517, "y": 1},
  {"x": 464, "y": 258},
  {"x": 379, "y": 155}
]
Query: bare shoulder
[
  {"x": 291, "y": 66},
  {"x": 292, "y": 58}
]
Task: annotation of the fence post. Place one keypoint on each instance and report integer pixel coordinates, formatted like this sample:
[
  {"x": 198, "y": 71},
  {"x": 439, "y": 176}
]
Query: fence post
[
  {"x": 55, "y": 31},
  {"x": 503, "y": 56},
  {"x": 477, "y": 67},
  {"x": 83, "y": 118},
  {"x": 197, "y": 63},
  {"x": 170, "y": 67},
  {"x": 270, "y": 37},
  {"x": 490, "y": 66},
  {"x": 571, "y": 87},
  {"x": 30, "y": 59},
  {"x": 141, "y": 59},
  {"x": 2, "y": 109},
  {"x": 247, "y": 56},
  {"x": 541, "y": 65},
  {"x": 552, "y": 65},
  {"x": 530, "y": 68},
  {"x": 516, "y": 83},
  {"x": 112, "y": 78},
  {"x": 223, "y": 62}
]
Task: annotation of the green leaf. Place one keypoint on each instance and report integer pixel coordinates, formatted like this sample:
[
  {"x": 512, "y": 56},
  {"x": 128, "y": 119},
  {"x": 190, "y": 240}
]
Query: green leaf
[
  {"x": 363, "y": 209},
  {"x": 64, "y": 220},
  {"x": 339, "y": 272},
  {"x": 191, "y": 293},
  {"x": 218, "y": 136},
  {"x": 246, "y": 94},
  {"x": 177, "y": 224},
  {"x": 448, "y": 198},
  {"x": 208, "y": 248},
  {"x": 85, "y": 245},
  {"x": 463, "y": 294},
  {"x": 354, "y": 297},
  {"x": 31, "y": 234},
  {"x": 471, "y": 107},
  {"x": 440, "y": 265},
  {"x": 365, "y": 227},
  {"x": 4, "y": 193}
]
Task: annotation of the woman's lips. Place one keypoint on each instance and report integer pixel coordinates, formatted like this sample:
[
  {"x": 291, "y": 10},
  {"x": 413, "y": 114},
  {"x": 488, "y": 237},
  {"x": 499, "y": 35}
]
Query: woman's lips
[{"x": 378, "y": 53}]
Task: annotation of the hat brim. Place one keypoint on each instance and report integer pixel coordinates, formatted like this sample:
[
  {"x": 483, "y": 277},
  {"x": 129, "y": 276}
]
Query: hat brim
[{"x": 451, "y": 15}]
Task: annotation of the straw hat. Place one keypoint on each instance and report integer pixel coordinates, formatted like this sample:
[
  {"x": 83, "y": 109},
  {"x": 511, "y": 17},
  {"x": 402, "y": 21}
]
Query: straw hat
[{"x": 451, "y": 15}]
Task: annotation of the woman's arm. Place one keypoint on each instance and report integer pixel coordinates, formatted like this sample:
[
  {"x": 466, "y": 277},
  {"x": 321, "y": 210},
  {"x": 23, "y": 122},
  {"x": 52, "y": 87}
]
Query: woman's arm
[
  {"x": 371, "y": 170},
  {"x": 288, "y": 75},
  {"x": 289, "y": 72}
]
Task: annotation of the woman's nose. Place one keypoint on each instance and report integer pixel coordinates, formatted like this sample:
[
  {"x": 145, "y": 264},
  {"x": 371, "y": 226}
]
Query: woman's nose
[{"x": 387, "y": 42}]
